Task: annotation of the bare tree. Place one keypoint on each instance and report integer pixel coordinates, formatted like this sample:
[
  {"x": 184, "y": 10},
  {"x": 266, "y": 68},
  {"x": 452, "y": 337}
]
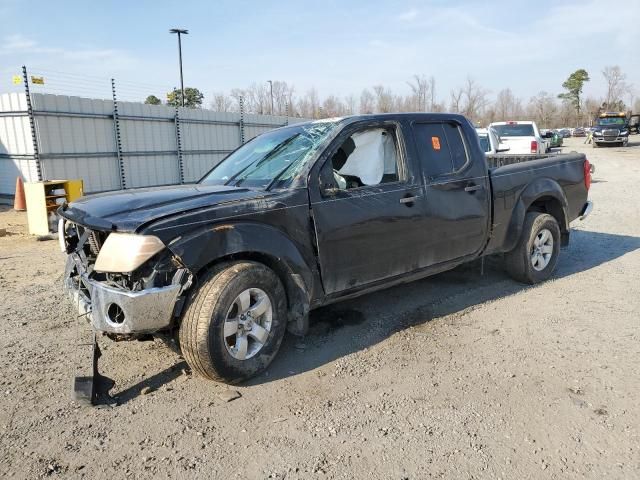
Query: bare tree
[
  {"x": 475, "y": 99},
  {"x": 567, "y": 114},
  {"x": 420, "y": 90},
  {"x": 350, "y": 104},
  {"x": 309, "y": 105},
  {"x": 236, "y": 94},
  {"x": 222, "y": 102},
  {"x": 456, "y": 100},
  {"x": 507, "y": 105},
  {"x": 543, "y": 109},
  {"x": 282, "y": 97},
  {"x": 432, "y": 91},
  {"x": 256, "y": 98},
  {"x": 366, "y": 101},
  {"x": 333, "y": 107},
  {"x": 405, "y": 104},
  {"x": 631, "y": 95},
  {"x": 384, "y": 99},
  {"x": 617, "y": 87},
  {"x": 591, "y": 107}
]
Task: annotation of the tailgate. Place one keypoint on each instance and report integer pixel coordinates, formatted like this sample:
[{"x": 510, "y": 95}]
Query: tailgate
[{"x": 518, "y": 144}]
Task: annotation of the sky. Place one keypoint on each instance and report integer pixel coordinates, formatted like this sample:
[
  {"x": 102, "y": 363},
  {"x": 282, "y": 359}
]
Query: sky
[{"x": 336, "y": 47}]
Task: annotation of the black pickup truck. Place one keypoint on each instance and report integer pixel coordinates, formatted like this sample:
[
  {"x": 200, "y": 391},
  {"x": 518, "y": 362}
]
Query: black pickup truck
[{"x": 304, "y": 216}]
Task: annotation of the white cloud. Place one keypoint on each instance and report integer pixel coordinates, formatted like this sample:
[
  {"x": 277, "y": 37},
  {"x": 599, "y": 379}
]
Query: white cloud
[
  {"x": 378, "y": 44},
  {"x": 17, "y": 42},
  {"x": 408, "y": 16}
]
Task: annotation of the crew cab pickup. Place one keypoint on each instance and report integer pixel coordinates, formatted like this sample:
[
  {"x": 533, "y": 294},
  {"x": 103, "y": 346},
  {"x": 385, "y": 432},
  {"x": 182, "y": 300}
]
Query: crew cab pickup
[
  {"x": 304, "y": 216},
  {"x": 522, "y": 137}
]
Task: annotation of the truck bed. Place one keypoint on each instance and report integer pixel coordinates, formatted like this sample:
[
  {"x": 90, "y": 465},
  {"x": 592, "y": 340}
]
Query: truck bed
[
  {"x": 501, "y": 160},
  {"x": 514, "y": 178}
]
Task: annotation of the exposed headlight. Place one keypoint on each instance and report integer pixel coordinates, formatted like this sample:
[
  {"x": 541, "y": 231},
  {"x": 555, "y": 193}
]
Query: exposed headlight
[
  {"x": 624, "y": 132},
  {"x": 597, "y": 132},
  {"x": 124, "y": 252},
  {"x": 61, "y": 240}
]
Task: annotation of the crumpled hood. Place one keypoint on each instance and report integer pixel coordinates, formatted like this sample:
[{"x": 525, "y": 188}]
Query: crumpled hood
[{"x": 127, "y": 210}]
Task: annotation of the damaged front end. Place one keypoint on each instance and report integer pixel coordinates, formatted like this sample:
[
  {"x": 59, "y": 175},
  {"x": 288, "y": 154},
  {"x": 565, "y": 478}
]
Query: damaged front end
[
  {"x": 125, "y": 304},
  {"x": 127, "y": 286}
]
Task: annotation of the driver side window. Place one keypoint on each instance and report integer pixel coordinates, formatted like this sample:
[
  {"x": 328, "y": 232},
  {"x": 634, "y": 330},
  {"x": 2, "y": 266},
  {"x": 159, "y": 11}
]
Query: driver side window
[{"x": 367, "y": 157}]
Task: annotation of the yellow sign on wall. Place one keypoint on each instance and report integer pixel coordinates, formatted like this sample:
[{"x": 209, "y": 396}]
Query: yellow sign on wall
[{"x": 37, "y": 80}]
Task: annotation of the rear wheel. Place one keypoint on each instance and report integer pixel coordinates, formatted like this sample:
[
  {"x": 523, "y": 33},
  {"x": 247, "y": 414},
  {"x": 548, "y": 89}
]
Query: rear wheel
[
  {"x": 535, "y": 256},
  {"x": 235, "y": 322}
]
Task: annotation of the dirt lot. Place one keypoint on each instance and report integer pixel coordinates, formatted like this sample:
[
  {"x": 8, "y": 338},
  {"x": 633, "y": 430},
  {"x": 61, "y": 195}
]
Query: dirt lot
[{"x": 458, "y": 376}]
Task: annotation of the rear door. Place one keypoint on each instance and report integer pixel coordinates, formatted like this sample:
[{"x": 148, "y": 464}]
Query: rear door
[
  {"x": 367, "y": 206},
  {"x": 457, "y": 207}
]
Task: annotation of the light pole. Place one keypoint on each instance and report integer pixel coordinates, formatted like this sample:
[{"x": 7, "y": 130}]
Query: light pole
[
  {"x": 270, "y": 82},
  {"x": 180, "y": 31}
]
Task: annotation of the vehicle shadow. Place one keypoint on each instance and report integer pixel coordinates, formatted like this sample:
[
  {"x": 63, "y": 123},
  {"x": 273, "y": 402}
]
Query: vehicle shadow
[
  {"x": 110, "y": 394},
  {"x": 345, "y": 328}
]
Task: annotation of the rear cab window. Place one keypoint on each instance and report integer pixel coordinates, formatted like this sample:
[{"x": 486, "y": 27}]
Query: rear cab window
[
  {"x": 515, "y": 130},
  {"x": 441, "y": 148}
]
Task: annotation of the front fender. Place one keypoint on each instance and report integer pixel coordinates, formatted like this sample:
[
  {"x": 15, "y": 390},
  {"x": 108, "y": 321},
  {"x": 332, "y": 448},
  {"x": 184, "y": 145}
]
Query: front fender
[
  {"x": 541, "y": 188},
  {"x": 203, "y": 247}
]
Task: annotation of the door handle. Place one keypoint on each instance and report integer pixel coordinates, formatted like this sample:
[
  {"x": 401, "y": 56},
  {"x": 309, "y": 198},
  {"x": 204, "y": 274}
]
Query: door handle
[
  {"x": 472, "y": 188},
  {"x": 406, "y": 200}
]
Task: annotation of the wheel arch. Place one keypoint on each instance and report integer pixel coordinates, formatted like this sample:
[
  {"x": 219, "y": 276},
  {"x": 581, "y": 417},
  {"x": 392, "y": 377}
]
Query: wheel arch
[
  {"x": 206, "y": 248},
  {"x": 543, "y": 195}
]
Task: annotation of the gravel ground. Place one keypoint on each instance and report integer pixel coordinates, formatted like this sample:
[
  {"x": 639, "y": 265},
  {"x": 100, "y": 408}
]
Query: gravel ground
[{"x": 458, "y": 376}]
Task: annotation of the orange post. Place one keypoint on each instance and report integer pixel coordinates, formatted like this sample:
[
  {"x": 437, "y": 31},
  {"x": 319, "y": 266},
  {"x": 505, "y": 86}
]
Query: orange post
[{"x": 19, "y": 202}]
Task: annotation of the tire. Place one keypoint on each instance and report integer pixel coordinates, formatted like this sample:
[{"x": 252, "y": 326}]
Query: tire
[
  {"x": 520, "y": 262},
  {"x": 210, "y": 316}
]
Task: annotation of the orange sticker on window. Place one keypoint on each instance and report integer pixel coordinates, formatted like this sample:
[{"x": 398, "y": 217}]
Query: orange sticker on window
[{"x": 435, "y": 141}]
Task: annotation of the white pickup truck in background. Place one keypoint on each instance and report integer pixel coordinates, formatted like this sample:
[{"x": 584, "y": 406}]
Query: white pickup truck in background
[
  {"x": 490, "y": 141},
  {"x": 522, "y": 137}
]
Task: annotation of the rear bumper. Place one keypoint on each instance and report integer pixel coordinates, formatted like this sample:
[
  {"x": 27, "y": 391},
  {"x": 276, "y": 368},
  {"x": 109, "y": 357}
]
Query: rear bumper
[
  {"x": 144, "y": 311},
  {"x": 586, "y": 210}
]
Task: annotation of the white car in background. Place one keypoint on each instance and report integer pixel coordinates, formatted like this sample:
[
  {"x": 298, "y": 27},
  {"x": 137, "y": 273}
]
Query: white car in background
[
  {"x": 522, "y": 137},
  {"x": 490, "y": 141}
]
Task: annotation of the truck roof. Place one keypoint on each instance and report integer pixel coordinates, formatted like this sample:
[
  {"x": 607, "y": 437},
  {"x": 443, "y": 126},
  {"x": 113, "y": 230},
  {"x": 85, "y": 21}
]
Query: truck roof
[
  {"x": 513, "y": 122},
  {"x": 411, "y": 116},
  {"x": 612, "y": 114}
]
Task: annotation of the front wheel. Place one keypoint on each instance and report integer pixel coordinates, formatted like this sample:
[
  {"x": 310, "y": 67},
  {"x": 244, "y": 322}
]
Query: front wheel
[
  {"x": 235, "y": 322},
  {"x": 535, "y": 256}
]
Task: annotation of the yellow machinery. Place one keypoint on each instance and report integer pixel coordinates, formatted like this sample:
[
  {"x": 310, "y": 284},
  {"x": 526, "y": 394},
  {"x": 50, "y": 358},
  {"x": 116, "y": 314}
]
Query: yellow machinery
[{"x": 44, "y": 198}]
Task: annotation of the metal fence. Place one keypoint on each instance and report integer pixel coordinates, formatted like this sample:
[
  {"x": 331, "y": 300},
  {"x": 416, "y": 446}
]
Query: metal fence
[{"x": 114, "y": 145}]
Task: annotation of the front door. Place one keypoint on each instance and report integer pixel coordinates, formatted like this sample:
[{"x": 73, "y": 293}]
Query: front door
[{"x": 368, "y": 208}]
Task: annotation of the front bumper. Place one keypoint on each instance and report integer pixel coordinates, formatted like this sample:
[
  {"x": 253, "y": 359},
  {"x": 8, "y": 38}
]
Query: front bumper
[
  {"x": 116, "y": 310},
  {"x": 621, "y": 139}
]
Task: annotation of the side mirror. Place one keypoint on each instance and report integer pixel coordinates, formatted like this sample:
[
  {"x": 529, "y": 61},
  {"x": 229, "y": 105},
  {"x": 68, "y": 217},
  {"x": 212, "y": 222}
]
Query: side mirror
[
  {"x": 330, "y": 192},
  {"x": 503, "y": 148}
]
